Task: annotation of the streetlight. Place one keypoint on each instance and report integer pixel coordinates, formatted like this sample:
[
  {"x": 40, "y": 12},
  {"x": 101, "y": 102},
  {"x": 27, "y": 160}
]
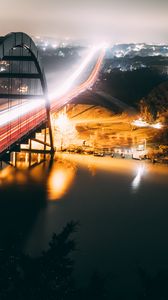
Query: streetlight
[{"x": 66, "y": 129}]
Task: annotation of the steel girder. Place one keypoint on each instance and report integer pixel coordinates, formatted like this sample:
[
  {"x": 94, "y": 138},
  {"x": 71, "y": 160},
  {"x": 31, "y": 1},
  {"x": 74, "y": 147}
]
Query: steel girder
[{"x": 22, "y": 40}]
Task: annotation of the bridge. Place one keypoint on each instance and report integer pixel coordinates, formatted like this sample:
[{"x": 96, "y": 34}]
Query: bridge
[{"x": 24, "y": 102}]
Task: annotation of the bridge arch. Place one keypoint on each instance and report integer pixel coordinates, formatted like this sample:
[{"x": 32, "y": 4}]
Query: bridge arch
[{"x": 21, "y": 40}]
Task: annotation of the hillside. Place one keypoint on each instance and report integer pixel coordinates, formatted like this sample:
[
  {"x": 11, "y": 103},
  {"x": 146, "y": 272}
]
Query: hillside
[{"x": 155, "y": 104}]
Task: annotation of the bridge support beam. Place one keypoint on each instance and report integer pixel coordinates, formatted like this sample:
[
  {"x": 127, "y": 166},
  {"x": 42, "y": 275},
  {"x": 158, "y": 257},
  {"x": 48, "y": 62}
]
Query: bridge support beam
[{"x": 50, "y": 127}]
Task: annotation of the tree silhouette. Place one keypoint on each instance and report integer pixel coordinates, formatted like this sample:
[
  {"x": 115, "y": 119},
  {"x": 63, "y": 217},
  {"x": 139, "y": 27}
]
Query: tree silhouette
[
  {"x": 153, "y": 286},
  {"x": 97, "y": 287},
  {"x": 49, "y": 276},
  {"x": 46, "y": 277}
]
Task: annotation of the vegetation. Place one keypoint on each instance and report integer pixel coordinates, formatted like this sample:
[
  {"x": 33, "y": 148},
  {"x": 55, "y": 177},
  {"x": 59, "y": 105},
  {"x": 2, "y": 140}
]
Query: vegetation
[
  {"x": 153, "y": 286},
  {"x": 44, "y": 277},
  {"x": 48, "y": 276},
  {"x": 155, "y": 105}
]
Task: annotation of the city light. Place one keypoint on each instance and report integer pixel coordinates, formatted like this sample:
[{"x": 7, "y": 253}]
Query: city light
[
  {"x": 62, "y": 122},
  {"x": 141, "y": 123},
  {"x": 23, "y": 89},
  {"x": 157, "y": 125},
  {"x": 2, "y": 69},
  {"x": 65, "y": 131}
]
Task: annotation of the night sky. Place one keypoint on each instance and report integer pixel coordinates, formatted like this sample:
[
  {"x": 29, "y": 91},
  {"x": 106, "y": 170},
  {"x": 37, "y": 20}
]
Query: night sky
[{"x": 110, "y": 20}]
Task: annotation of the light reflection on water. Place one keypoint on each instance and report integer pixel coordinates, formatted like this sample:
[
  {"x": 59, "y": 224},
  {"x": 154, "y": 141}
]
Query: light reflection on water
[
  {"x": 136, "y": 170},
  {"x": 9, "y": 176},
  {"x": 24, "y": 167},
  {"x": 60, "y": 173},
  {"x": 60, "y": 180},
  {"x": 138, "y": 177}
]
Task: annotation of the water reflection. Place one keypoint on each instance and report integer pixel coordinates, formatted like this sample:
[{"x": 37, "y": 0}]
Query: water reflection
[
  {"x": 19, "y": 169},
  {"x": 5, "y": 174},
  {"x": 60, "y": 179},
  {"x": 103, "y": 204},
  {"x": 10, "y": 175},
  {"x": 25, "y": 160},
  {"x": 138, "y": 177},
  {"x": 24, "y": 168},
  {"x": 134, "y": 170}
]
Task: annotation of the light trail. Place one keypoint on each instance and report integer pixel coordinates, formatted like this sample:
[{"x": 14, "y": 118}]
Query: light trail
[
  {"x": 18, "y": 111},
  {"x": 31, "y": 114},
  {"x": 7, "y": 116},
  {"x": 68, "y": 83},
  {"x": 82, "y": 87}
]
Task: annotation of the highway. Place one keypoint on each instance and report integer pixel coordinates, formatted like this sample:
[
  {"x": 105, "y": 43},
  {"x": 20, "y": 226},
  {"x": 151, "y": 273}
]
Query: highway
[{"x": 11, "y": 129}]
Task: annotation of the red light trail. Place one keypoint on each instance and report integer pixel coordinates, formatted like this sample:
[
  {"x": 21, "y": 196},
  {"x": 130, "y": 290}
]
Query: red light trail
[{"x": 16, "y": 129}]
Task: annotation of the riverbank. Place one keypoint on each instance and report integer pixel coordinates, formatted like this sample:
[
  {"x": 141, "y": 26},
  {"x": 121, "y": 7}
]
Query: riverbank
[{"x": 101, "y": 129}]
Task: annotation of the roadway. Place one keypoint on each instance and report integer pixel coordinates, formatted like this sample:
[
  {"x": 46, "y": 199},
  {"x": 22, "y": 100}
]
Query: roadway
[{"x": 17, "y": 128}]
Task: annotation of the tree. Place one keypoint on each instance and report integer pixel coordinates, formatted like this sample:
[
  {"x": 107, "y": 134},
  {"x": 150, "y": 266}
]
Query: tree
[
  {"x": 153, "y": 286},
  {"x": 46, "y": 277}
]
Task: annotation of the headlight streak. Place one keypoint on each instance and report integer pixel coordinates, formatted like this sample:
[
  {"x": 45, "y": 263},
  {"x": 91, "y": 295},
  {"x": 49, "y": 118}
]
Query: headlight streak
[{"x": 7, "y": 116}]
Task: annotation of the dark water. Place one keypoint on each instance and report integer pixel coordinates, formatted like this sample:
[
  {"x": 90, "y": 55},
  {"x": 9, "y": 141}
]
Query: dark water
[{"x": 122, "y": 207}]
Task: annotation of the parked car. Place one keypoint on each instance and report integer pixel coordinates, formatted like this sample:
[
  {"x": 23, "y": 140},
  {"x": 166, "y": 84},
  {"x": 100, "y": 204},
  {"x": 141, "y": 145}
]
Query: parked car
[{"x": 98, "y": 153}]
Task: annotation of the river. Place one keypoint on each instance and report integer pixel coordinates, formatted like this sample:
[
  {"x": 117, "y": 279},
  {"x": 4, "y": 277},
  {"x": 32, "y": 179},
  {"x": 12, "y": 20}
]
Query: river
[{"x": 122, "y": 207}]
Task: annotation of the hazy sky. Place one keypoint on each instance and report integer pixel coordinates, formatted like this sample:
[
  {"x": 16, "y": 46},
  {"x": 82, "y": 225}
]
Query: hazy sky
[{"x": 113, "y": 20}]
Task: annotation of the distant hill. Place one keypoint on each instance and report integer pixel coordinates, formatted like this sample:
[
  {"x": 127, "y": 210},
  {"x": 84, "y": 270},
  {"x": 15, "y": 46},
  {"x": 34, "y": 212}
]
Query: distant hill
[{"x": 130, "y": 86}]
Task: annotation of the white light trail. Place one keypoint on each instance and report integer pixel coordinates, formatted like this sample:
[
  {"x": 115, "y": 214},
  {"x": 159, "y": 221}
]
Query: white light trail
[
  {"x": 18, "y": 111},
  {"x": 15, "y": 112},
  {"x": 68, "y": 83}
]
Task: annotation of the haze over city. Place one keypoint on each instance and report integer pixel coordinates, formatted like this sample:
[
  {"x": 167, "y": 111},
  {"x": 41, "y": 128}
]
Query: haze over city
[{"x": 115, "y": 21}]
